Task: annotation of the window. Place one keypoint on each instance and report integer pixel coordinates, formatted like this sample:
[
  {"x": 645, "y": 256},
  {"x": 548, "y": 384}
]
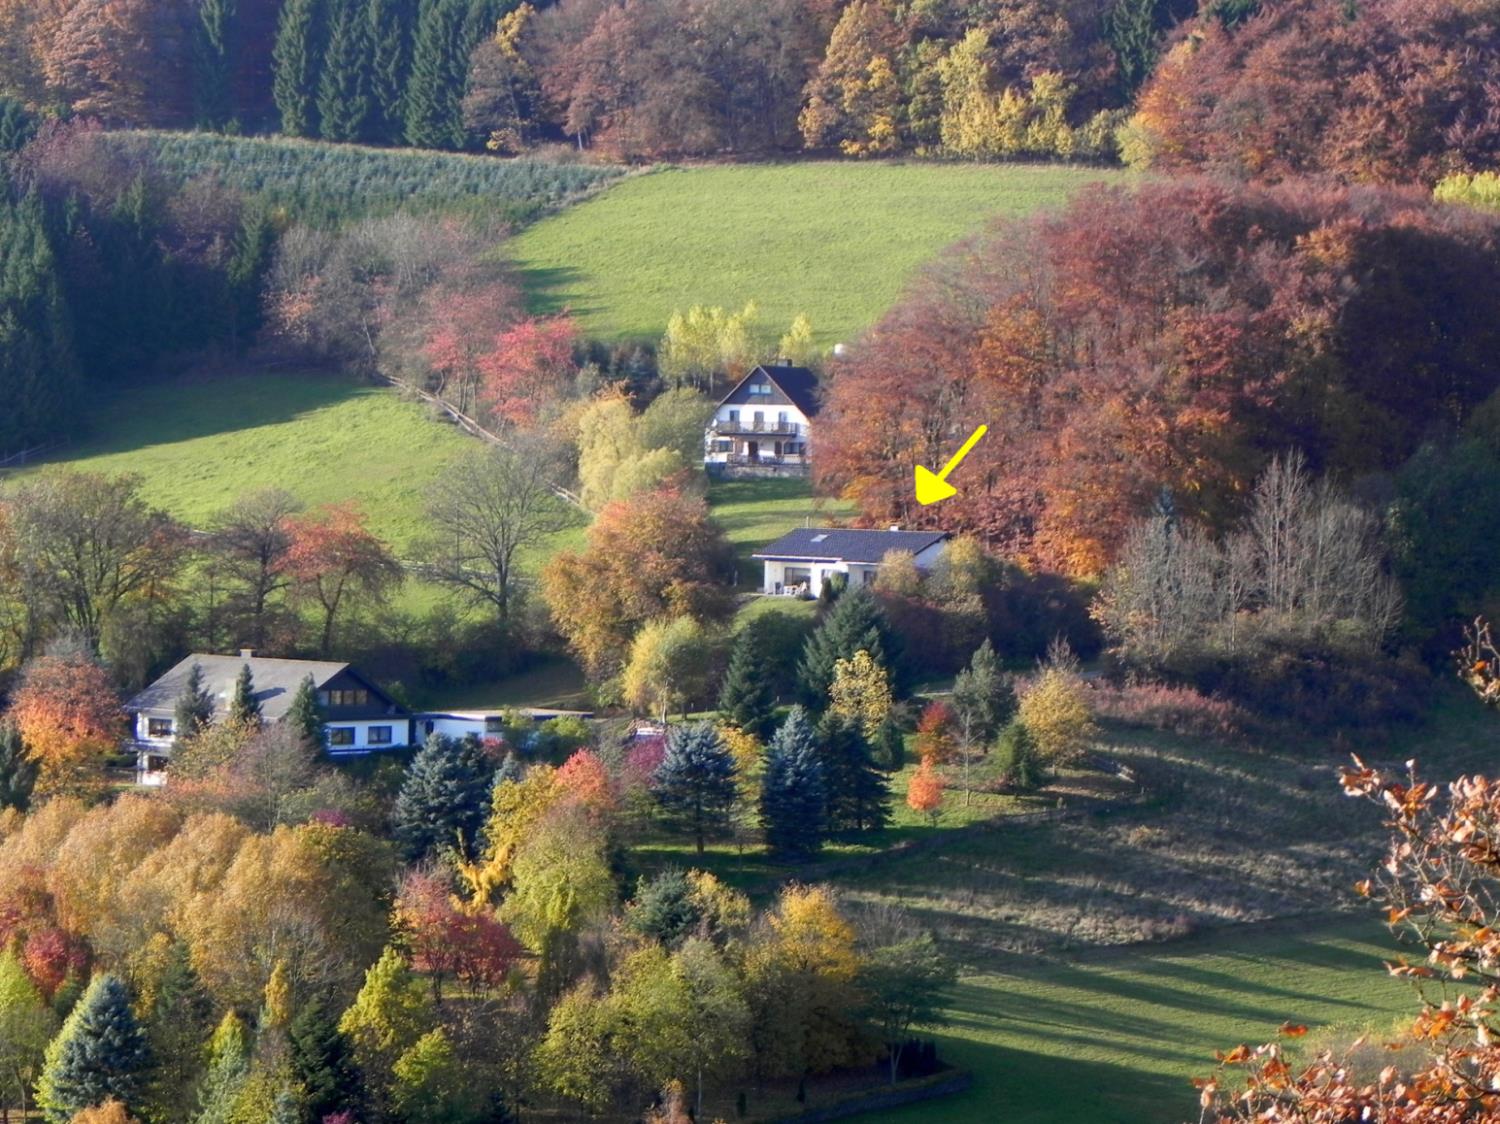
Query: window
[
  {"x": 723, "y": 446},
  {"x": 380, "y": 735},
  {"x": 347, "y": 698},
  {"x": 760, "y": 388},
  {"x": 158, "y": 727},
  {"x": 819, "y": 538},
  {"x": 734, "y": 417},
  {"x": 341, "y": 735},
  {"x": 781, "y": 418},
  {"x": 494, "y": 726}
]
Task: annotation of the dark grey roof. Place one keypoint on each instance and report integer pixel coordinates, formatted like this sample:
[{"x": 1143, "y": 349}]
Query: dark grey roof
[
  {"x": 799, "y": 384},
  {"x": 828, "y": 544},
  {"x": 276, "y": 681}
]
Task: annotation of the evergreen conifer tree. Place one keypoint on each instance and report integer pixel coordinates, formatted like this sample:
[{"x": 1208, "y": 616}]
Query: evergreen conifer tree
[
  {"x": 228, "y": 1067},
  {"x": 244, "y": 707},
  {"x": 101, "y": 1052},
  {"x": 695, "y": 782},
  {"x": 195, "y": 707},
  {"x": 17, "y": 124},
  {"x": 854, "y": 623},
  {"x": 303, "y": 714},
  {"x": 983, "y": 699},
  {"x": 343, "y": 88},
  {"x": 858, "y": 795},
  {"x": 323, "y": 1063},
  {"x": 297, "y": 61},
  {"x": 793, "y": 795},
  {"x": 445, "y": 797},
  {"x": 213, "y": 64},
  {"x": 180, "y": 1018},
  {"x": 17, "y": 769},
  {"x": 510, "y": 771},
  {"x": 389, "y": 31},
  {"x": 746, "y": 698},
  {"x": 433, "y": 106}
]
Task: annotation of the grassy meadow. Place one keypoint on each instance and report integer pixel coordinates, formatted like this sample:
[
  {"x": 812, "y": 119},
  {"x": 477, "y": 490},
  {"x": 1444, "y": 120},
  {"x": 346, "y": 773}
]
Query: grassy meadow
[
  {"x": 1116, "y": 1039},
  {"x": 199, "y": 445},
  {"x": 838, "y": 241}
]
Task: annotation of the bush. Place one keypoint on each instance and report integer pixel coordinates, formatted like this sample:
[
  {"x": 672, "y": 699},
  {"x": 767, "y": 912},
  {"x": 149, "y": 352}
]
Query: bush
[
  {"x": 1017, "y": 762},
  {"x": 1175, "y": 708}
]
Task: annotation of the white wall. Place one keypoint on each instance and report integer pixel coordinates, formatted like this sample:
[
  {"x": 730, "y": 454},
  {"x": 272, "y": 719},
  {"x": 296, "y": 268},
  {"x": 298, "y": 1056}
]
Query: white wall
[
  {"x": 797, "y": 428},
  {"x": 399, "y": 727},
  {"x": 856, "y": 573}
]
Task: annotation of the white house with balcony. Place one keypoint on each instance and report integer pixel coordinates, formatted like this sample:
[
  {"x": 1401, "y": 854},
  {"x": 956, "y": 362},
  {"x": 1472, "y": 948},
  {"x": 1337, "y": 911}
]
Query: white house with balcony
[
  {"x": 763, "y": 426},
  {"x": 358, "y": 716},
  {"x": 799, "y": 563}
]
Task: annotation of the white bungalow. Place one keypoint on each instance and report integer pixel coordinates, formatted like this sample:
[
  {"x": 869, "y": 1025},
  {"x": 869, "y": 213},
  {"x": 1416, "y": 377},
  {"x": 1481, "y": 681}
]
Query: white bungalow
[
  {"x": 762, "y": 427},
  {"x": 358, "y": 716},
  {"x": 798, "y": 563}
]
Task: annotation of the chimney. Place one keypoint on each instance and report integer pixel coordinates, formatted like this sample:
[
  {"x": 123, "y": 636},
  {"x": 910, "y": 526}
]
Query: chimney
[
  {"x": 895, "y": 526},
  {"x": 247, "y": 653}
]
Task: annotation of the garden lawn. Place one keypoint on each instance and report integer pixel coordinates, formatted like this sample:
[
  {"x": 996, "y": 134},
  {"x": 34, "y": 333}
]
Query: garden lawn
[
  {"x": 757, "y": 512},
  {"x": 1115, "y": 1040},
  {"x": 200, "y": 445},
  {"x": 837, "y": 241}
]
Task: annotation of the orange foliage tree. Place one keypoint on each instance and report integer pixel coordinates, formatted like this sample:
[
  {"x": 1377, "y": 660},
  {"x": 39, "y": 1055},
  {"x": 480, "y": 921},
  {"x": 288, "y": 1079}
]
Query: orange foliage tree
[
  {"x": 656, "y": 555},
  {"x": 331, "y": 553},
  {"x": 924, "y": 792},
  {"x": 935, "y": 733},
  {"x": 70, "y": 720}
]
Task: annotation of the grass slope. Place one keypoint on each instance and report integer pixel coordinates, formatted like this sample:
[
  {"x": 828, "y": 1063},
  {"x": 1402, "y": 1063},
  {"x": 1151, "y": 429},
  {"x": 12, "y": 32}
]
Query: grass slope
[
  {"x": 835, "y": 240},
  {"x": 198, "y": 446},
  {"x": 1116, "y": 1040},
  {"x": 754, "y": 513}
]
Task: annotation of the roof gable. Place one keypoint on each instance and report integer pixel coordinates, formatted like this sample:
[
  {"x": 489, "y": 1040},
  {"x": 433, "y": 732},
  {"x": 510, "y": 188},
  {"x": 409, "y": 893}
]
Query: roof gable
[
  {"x": 798, "y": 386},
  {"x": 832, "y": 544},
  {"x": 275, "y": 681}
]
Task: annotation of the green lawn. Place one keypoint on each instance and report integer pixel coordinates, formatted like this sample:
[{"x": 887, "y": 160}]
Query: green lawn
[
  {"x": 199, "y": 445},
  {"x": 754, "y": 513},
  {"x": 835, "y": 240},
  {"x": 1116, "y": 1040}
]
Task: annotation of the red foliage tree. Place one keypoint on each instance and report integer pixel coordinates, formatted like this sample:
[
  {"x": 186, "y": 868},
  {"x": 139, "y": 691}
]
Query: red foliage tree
[
  {"x": 331, "y": 553},
  {"x": 935, "y": 733},
  {"x": 1387, "y": 91},
  {"x": 529, "y": 365},
  {"x": 50, "y": 956},
  {"x": 1167, "y": 339},
  {"x": 457, "y": 325},
  {"x": 585, "y": 779},
  {"x": 467, "y": 945}
]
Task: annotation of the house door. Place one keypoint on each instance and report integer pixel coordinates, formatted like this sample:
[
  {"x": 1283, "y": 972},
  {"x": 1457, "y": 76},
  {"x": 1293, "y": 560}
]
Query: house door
[
  {"x": 753, "y": 450},
  {"x": 778, "y": 450}
]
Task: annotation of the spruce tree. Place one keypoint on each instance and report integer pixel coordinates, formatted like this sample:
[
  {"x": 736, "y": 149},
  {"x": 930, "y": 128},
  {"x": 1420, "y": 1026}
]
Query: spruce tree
[
  {"x": 323, "y": 1063},
  {"x": 180, "y": 1018},
  {"x": 195, "y": 707},
  {"x": 303, "y": 714},
  {"x": 854, "y": 623},
  {"x": 389, "y": 32},
  {"x": 244, "y": 707},
  {"x": 793, "y": 794},
  {"x": 444, "y": 798},
  {"x": 297, "y": 61},
  {"x": 858, "y": 795},
  {"x": 983, "y": 699},
  {"x": 695, "y": 782},
  {"x": 101, "y": 1052},
  {"x": 509, "y": 772},
  {"x": 17, "y": 769},
  {"x": 213, "y": 64},
  {"x": 343, "y": 89},
  {"x": 228, "y": 1067},
  {"x": 17, "y": 124},
  {"x": 746, "y": 698},
  {"x": 433, "y": 106}
]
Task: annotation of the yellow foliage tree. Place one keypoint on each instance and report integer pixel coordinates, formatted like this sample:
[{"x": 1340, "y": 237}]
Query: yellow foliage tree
[
  {"x": 704, "y": 343},
  {"x": 515, "y": 809},
  {"x": 668, "y": 666},
  {"x": 861, "y": 692},
  {"x": 798, "y": 345},
  {"x": 1055, "y": 711}
]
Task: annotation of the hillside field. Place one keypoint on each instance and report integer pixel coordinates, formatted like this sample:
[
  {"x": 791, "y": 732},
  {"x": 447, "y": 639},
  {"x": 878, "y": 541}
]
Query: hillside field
[
  {"x": 199, "y": 445},
  {"x": 838, "y": 241}
]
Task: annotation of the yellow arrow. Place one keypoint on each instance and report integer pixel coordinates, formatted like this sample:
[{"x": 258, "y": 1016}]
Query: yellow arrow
[{"x": 934, "y": 486}]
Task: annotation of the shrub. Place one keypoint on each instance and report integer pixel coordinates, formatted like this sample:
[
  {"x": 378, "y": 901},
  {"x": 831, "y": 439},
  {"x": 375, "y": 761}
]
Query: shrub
[
  {"x": 1175, "y": 708},
  {"x": 1017, "y": 761},
  {"x": 1054, "y": 709}
]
